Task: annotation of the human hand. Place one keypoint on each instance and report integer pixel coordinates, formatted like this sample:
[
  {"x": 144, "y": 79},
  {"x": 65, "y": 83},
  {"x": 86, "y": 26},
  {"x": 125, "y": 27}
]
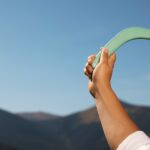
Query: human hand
[{"x": 100, "y": 76}]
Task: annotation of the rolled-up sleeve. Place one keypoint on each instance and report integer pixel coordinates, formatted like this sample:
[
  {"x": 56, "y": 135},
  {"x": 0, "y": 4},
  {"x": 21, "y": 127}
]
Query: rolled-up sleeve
[{"x": 135, "y": 141}]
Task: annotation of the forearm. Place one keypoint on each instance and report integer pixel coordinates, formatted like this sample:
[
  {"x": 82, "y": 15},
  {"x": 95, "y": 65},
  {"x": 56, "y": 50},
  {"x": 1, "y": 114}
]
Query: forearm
[{"x": 116, "y": 123}]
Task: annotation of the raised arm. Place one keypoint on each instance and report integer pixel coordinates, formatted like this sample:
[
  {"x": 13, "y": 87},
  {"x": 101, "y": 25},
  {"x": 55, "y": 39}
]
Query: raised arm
[{"x": 116, "y": 123}]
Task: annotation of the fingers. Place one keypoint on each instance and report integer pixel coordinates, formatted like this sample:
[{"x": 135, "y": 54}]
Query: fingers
[
  {"x": 87, "y": 73},
  {"x": 112, "y": 60},
  {"x": 91, "y": 59},
  {"x": 104, "y": 56},
  {"x": 88, "y": 69}
]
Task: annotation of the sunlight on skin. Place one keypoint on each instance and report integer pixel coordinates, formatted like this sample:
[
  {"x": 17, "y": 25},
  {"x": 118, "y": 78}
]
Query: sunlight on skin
[{"x": 115, "y": 122}]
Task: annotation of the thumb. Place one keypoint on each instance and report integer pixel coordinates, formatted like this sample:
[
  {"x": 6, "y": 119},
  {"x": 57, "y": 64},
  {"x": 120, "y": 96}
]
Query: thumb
[
  {"x": 112, "y": 60},
  {"x": 104, "y": 56}
]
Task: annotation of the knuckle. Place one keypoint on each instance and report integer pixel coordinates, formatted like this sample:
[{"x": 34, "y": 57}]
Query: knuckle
[
  {"x": 84, "y": 70},
  {"x": 86, "y": 65},
  {"x": 88, "y": 68},
  {"x": 89, "y": 59}
]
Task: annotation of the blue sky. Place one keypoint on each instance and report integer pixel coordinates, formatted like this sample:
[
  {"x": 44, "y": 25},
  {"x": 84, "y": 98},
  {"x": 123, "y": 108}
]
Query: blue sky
[{"x": 44, "y": 45}]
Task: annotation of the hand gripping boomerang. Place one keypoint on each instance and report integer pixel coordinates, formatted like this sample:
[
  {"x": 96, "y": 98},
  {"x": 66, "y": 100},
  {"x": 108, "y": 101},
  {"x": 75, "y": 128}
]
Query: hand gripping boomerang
[{"x": 123, "y": 37}]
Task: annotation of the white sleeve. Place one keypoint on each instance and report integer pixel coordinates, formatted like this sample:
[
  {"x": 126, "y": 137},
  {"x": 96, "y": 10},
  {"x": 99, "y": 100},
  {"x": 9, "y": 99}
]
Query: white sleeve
[{"x": 135, "y": 141}]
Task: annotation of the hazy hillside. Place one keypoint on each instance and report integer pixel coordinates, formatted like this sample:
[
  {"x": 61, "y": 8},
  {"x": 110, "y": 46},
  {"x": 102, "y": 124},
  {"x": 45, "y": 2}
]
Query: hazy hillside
[
  {"x": 42, "y": 131},
  {"x": 6, "y": 147},
  {"x": 26, "y": 135},
  {"x": 37, "y": 116}
]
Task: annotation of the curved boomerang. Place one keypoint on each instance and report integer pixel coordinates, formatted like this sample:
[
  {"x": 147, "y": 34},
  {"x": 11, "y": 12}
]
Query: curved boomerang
[{"x": 123, "y": 37}]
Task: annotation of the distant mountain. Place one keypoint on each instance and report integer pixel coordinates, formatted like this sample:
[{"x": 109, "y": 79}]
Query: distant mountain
[
  {"x": 79, "y": 131},
  {"x": 23, "y": 134},
  {"x": 6, "y": 147},
  {"x": 37, "y": 116}
]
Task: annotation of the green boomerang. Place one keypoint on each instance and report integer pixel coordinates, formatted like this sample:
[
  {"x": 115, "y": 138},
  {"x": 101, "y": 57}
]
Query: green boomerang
[{"x": 123, "y": 37}]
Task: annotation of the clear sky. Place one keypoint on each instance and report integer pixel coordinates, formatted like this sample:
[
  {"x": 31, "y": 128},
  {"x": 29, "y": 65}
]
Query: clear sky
[{"x": 44, "y": 45}]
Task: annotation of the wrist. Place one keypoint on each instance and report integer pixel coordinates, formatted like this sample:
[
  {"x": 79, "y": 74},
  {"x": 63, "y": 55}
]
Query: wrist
[{"x": 103, "y": 90}]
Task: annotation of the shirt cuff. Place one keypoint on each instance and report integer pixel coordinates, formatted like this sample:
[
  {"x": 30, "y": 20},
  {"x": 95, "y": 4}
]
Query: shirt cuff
[{"x": 134, "y": 141}]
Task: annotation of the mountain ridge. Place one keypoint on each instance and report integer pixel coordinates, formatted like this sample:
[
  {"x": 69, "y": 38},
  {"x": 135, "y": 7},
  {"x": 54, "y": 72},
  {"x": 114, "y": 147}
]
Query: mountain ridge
[
  {"x": 37, "y": 116},
  {"x": 77, "y": 131}
]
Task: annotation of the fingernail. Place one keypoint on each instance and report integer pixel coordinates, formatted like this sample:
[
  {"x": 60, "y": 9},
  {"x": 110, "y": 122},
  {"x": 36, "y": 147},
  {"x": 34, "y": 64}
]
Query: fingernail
[{"x": 105, "y": 50}]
